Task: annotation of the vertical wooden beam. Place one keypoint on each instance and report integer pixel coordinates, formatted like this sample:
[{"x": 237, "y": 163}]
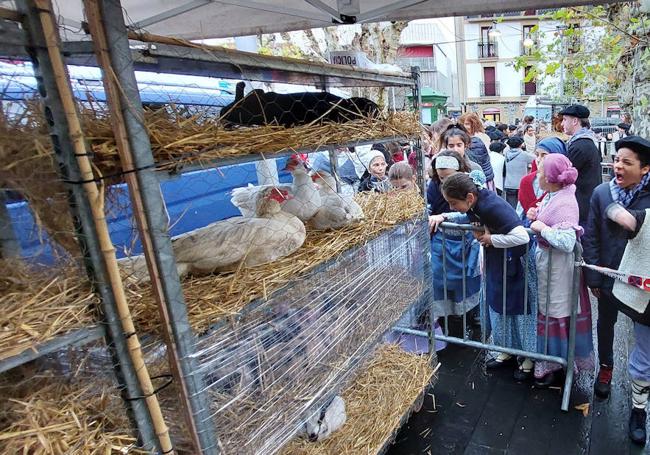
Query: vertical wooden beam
[{"x": 61, "y": 107}]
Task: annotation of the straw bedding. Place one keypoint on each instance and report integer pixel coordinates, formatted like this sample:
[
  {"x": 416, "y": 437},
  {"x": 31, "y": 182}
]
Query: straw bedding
[
  {"x": 38, "y": 305},
  {"x": 375, "y": 404},
  {"x": 51, "y": 415},
  {"x": 178, "y": 138}
]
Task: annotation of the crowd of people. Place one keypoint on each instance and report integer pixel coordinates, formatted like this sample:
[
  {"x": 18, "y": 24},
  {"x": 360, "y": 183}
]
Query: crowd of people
[
  {"x": 503, "y": 180},
  {"x": 506, "y": 179}
]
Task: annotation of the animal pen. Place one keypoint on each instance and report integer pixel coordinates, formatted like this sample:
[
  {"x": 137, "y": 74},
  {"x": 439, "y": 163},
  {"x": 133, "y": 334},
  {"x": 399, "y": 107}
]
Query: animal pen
[{"x": 96, "y": 360}]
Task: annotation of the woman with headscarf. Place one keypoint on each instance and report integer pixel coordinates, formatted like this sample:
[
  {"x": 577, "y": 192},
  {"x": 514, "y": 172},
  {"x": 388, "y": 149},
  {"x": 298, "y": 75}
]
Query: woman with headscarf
[
  {"x": 529, "y": 190},
  {"x": 375, "y": 178},
  {"x": 555, "y": 222}
]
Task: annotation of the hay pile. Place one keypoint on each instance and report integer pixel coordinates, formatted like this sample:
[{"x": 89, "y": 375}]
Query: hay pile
[
  {"x": 52, "y": 416},
  {"x": 375, "y": 404},
  {"x": 39, "y": 304},
  {"x": 211, "y": 298},
  {"x": 179, "y": 138}
]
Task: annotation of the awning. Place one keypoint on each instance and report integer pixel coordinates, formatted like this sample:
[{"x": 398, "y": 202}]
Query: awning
[
  {"x": 492, "y": 110},
  {"x": 614, "y": 108},
  {"x": 202, "y": 19}
]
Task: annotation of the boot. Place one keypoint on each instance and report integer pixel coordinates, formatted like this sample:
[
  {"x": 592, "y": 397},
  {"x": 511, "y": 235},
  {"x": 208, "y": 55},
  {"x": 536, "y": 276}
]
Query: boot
[
  {"x": 637, "y": 426},
  {"x": 603, "y": 384},
  {"x": 500, "y": 361},
  {"x": 525, "y": 371}
]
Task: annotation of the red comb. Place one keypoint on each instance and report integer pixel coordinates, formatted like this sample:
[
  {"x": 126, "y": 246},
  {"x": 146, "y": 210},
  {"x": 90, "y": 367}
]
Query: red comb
[{"x": 303, "y": 157}]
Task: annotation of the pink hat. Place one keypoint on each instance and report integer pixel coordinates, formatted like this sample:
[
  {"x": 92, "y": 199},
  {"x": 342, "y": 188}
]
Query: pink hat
[{"x": 558, "y": 169}]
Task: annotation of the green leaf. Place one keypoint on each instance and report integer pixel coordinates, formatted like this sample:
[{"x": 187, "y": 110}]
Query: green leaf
[{"x": 551, "y": 68}]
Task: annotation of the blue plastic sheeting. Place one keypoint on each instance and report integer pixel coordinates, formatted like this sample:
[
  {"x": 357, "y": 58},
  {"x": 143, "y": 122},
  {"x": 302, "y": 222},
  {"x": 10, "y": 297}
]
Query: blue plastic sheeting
[{"x": 193, "y": 200}]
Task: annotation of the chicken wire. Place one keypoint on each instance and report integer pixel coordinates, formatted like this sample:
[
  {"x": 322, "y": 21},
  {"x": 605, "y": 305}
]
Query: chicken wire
[
  {"x": 197, "y": 214},
  {"x": 278, "y": 363}
]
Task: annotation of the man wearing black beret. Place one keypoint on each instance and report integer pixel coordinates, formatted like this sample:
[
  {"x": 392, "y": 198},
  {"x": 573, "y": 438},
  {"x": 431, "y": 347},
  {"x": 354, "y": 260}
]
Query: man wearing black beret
[{"x": 582, "y": 150}]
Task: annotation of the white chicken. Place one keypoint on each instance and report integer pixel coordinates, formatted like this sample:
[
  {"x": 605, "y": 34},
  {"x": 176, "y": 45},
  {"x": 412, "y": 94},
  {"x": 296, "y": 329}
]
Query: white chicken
[
  {"x": 305, "y": 200},
  {"x": 238, "y": 241},
  {"x": 337, "y": 210}
]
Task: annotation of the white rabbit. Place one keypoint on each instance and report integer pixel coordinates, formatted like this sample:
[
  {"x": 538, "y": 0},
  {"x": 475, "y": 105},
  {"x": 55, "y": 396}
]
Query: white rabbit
[{"x": 329, "y": 419}]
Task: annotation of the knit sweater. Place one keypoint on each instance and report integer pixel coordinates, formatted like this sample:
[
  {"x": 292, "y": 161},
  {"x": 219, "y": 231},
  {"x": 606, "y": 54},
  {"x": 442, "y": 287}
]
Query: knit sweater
[{"x": 561, "y": 211}]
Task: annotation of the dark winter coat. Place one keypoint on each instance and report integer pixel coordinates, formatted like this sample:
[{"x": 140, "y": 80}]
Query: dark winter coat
[
  {"x": 436, "y": 202},
  {"x": 604, "y": 240},
  {"x": 499, "y": 217},
  {"x": 585, "y": 157},
  {"x": 479, "y": 154}
]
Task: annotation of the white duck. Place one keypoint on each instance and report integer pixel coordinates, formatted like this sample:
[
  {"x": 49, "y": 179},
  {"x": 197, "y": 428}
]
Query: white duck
[
  {"x": 337, "y": 210},
  {"x": 305, "y": 201},
  {"x": 238, "y": 241}
]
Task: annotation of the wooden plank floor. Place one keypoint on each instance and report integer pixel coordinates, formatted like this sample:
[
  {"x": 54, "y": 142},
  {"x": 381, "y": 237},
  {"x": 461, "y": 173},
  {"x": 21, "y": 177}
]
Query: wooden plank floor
[{"x": 471, "y": 411}]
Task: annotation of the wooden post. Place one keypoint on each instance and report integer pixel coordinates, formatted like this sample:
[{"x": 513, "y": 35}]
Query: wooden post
[
  {"x": 52, "y": 42},
  {"x": 112, "y": 90}
]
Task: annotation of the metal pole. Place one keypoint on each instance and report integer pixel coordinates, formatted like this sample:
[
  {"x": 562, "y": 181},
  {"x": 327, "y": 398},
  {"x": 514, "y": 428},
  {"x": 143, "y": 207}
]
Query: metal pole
[
  {"x": 331, "y": 152},
  {"x": 417, "y": 102},
  {"x": 575, "y": 305},
  {"x": 561, "y": 29},
  {"x": 83, "y": 220},
  {"x": 156, "y": 219}
]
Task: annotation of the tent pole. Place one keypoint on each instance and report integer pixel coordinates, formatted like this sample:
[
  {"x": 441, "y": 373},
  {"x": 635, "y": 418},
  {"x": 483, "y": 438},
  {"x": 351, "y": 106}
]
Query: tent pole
[{"x": 155, "y": 236}]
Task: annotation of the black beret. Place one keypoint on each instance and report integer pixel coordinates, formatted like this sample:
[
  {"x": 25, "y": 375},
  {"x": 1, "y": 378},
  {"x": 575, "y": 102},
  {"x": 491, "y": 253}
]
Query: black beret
[
  {"x": 497, "y": 147},
  {"x": 515, "y": 142},
  {"x": 575, "y": 110},
  {"x": 495, "y": 135},
  {"x": 512, "y": 127},
  {"x": 635, "y": 143},
  {"x": 624, "y": 126}
]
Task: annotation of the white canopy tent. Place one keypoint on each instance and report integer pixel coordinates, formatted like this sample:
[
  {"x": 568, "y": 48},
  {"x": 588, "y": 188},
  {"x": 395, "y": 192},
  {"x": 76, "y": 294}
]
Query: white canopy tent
[{"x": 202, "y": 19}]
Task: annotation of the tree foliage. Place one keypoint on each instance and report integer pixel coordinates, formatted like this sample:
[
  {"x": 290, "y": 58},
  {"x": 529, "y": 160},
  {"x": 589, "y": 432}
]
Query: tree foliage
[{"x": 603, "y": 50}]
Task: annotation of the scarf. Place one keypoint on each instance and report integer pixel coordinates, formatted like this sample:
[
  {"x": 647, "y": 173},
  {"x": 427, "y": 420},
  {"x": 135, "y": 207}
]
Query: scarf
[
  {"x": 560, "y": 212},
  {"x": 583, "y": 133},
  {"x": 623, "y": 196}
]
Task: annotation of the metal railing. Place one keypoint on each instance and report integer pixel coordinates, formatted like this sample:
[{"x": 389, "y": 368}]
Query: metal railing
[
  {"x": 491, "y": 344},
  {"x": 523, "y": 50},
  {"x": 487, "y": 50},
  {"x": 528, "y": 88},
  {"x": 489, "y": 88}
]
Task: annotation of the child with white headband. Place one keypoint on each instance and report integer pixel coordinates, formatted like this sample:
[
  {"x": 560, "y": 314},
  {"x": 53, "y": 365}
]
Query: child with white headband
[{"x": 460, "y": 298}]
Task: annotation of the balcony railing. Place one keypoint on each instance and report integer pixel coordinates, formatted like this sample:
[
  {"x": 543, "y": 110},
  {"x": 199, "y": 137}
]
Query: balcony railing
[
  {"x": 523, "y": 50},
  {"x": 528, "y": 88},
  {"x": 489, "y": 88},
  {"x": 425, "y": 63},
  {"x": 487, "y": 50}
]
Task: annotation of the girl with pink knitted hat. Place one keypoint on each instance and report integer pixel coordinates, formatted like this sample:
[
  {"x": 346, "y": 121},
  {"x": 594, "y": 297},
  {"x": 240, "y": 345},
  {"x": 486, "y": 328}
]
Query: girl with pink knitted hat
[{"x": 555, "y": 222}]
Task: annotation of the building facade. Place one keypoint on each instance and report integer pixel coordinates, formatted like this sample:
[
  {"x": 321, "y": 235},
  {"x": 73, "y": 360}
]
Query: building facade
[
  {"x": 492, "y": 86},
  {"x": 429, "y": 44}
]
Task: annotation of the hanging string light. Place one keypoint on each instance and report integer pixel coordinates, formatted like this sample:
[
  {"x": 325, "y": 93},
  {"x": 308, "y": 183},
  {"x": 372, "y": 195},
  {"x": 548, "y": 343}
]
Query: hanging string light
[{"x": 494, "y": 32}]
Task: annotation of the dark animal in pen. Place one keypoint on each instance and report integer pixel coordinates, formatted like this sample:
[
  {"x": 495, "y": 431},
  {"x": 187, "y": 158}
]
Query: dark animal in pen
[{"x": 292, "y": 109}]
